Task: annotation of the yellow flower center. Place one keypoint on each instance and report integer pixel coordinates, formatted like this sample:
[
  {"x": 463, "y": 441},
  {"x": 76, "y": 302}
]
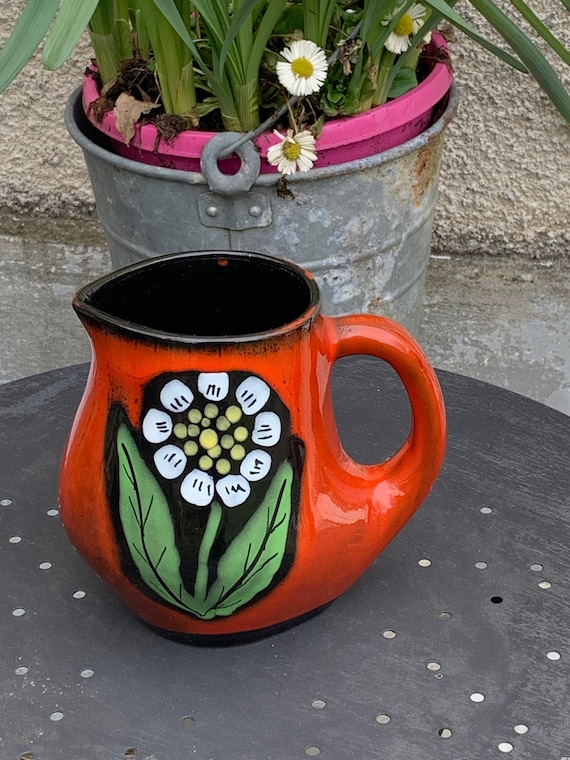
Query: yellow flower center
[
  {"x": 291, "y": 150},
  {"x": 233, "y": 413},
  {"x": 223, "y": 467},
  {"x": 405, "y": 26},
  {"x": 302, "y": 67},
  {"x": 208, "y": 439}
]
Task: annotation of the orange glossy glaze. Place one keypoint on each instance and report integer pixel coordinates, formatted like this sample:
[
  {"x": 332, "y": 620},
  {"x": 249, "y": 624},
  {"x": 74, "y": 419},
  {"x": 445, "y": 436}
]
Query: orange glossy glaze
[{"x": 348, "y": 512}]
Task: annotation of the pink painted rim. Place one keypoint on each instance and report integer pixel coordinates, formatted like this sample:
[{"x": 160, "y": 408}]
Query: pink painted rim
[{"x": 341, "y": 140}]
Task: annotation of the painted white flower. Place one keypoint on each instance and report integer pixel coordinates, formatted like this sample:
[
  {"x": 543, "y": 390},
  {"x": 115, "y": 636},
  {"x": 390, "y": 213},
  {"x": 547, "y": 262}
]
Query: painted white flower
[
  {"x": 176, "y": 396},
  {"x": 252, "y": 394},
  {"x": 215, "y": 439},
  {"x": 214, "y": 385},
  {"x": 411, "y": 22},
  {"x": 295, "y": 151},
  {"x": 157, "y": 426},
  {"x": 304, "y": 69},
  {"x": 267, "y": 429}
]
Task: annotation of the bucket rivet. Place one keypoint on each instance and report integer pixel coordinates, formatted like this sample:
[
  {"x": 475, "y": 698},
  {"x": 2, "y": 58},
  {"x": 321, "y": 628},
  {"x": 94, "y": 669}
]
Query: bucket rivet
[
  {"x": 255, "y": 211},
  {"x": 212, "y": 211}
]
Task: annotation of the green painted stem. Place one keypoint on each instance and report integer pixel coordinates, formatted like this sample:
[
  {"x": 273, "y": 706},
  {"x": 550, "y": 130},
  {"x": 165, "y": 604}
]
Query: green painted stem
[{"x": 212, "y": 527}]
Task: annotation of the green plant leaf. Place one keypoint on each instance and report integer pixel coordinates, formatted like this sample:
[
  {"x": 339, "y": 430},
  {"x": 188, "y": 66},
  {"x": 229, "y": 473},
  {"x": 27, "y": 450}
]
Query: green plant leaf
[
  {"x": 441, "y": 7},
  {"x": 106, "y": 55},
  {"x": 147, "y": 526},
  {"x": 404, "y": 81},
  {"x": 265, "y": 29},
  {"x": 30, "y": 29},
  {"x": 542, "y": 29},
  {"x": 253, "y": 558},
  {"x": 529, "y": 54},
  {"x": 241, "y": 18},
  {"x": 171, "y": 13},
  {"x": 70, "y": 23}
]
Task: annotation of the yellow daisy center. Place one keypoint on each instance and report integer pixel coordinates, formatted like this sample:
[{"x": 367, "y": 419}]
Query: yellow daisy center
[
  {"x": 208, "y": 439},
  {"x": 291, "y": 151},
  {"x": 405, "y": 26},
  {"x": 302, "y": 67}
]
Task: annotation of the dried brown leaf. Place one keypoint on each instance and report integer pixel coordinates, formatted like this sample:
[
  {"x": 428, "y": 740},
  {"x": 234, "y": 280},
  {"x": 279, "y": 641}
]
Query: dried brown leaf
[{"x": 127, "y": 112}]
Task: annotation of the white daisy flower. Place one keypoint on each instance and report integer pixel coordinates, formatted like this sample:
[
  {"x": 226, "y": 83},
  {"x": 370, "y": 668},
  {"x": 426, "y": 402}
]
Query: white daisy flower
[
  {"x": 304, "y": 69},
  {"x": 218, "y": 437},
  {"x": 295, "y": 151},
  {"x": 410, "y": 23}
]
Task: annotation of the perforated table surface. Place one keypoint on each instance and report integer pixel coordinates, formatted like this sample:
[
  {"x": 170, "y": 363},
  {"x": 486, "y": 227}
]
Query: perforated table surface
[{"x": 454, "y": 645}]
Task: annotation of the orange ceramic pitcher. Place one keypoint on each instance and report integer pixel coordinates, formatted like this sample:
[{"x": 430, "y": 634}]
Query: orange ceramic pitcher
[{"x": 203, "y": 478}]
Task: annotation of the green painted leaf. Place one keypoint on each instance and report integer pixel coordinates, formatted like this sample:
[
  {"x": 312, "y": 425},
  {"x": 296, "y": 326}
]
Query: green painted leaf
[
  {"x": 253, "y": 558},
  {"x": 147, "y": 526},
  {"x": 247, "y": 567}
]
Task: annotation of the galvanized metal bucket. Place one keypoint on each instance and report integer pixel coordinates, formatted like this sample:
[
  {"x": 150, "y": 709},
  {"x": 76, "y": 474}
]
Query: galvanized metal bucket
[{"x": 363, "y": 228}]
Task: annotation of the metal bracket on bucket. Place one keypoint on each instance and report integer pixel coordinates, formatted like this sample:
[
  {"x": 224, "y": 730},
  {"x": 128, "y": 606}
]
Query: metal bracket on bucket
[{"x": 230, "y": 205}]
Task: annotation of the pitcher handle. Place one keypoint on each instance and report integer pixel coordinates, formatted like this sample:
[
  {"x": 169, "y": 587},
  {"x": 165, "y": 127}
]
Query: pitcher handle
[{"x": 405, "y": 479}]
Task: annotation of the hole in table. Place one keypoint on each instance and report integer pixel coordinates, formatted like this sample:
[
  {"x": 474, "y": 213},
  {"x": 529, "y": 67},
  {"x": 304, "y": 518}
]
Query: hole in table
[
  {"x": 477, "y": 697},
  {"x": 497, "y": 599},
  {"x": 52, "y": 512},
  {"x": 27, "y": 756},
  {"x": 389, "y": 634},
  {"x": 21, "y": 671},
  {"x": 5, "y": 502},
  {"x": 424, "y": 562},
  {"x": 56, "y": 716},
  {"x": 481, "y": 565},
  {"x": 188, "y": 721},
  {"x": 544, "y": 584},
  {"x": 15, "y": 539},
  {"x": 131, "y": 752},
  {"x": 536, "y": 567},
  {"x": 312, "y": 751},
  {"x": 445, "y": 733},
  {"x": 87, "y": 673},
  {"x": 45, "y": 565},
  {"x": 485, "y": 510},
  {"x": 505, "y": 747},
  {"x": 18, "y": 612},
  {"x": 79, "y": 594},
  {"x": 445, "y": 615},
  {"x": 383, "y": 719},
  {"x": 433, "y": 666},
  {"x": 318, "y": 704},
  {"x": 521, "y": 729},
  {"x": 553, "y": 655}
]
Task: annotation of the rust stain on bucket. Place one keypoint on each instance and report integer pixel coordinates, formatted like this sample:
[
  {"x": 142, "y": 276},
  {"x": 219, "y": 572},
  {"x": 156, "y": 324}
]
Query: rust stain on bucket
[{"x": 426, "y": 168}]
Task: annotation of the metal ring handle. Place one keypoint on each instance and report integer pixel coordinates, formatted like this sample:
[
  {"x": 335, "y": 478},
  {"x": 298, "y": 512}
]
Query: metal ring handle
[{"x": 229, "y": 184}]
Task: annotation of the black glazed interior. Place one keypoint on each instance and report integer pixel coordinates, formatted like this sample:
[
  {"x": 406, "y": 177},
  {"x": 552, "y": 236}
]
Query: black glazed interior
[{"x": 213, "y": 295}]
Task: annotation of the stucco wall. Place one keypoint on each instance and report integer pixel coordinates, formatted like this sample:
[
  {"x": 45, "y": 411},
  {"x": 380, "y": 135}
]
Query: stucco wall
[{"x": 505, "y": 182}]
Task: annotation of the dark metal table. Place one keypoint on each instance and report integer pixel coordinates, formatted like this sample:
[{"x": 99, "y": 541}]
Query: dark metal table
[{"x": 454, "y": 645}]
